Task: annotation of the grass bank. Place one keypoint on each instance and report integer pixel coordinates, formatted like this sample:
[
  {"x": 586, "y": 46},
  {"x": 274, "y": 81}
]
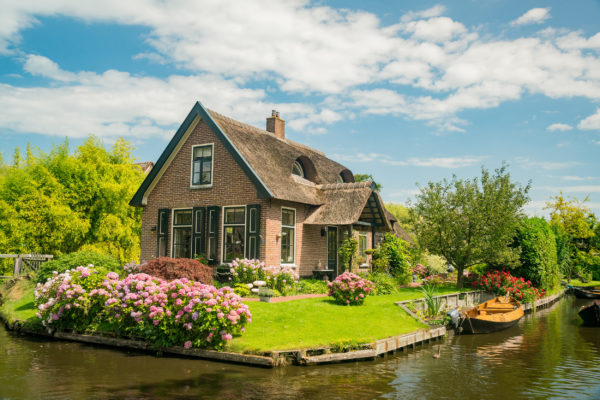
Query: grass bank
[
  {"x": 577, "y": 282},
  {"x": 17, "y": 302},
  {"x": 296, "y": 324}
]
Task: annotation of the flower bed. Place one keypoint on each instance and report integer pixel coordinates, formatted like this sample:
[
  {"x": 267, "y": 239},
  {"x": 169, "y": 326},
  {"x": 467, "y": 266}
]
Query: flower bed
[
  {"x": 350, "y": 289},
  {"x": 502, "y": 282},
  {"x": 166, "y": 313},
  {"x": 244, "y": 271}
]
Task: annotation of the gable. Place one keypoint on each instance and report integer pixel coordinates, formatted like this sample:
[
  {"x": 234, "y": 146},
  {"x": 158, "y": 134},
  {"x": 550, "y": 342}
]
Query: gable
[{"x": 197, "y": 114}]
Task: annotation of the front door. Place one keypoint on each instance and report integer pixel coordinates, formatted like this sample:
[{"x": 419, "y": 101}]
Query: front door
[{"x": 332, "y": 248}]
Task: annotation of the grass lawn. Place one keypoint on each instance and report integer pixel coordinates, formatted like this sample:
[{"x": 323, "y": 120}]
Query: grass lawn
[
  {"x": 18, "y": 302},
  {"x": 577, "y": 282},
  {"x": 305, "y": 323},
  {"x": 316, "y": 322}
]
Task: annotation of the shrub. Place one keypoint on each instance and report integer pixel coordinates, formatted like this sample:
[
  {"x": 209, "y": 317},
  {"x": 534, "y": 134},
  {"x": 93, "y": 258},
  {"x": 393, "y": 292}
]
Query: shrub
[
  {"x": 435, "y": 264},
  {"x": 538, "y": 253},
  {"x": 346, "y": 252},
  {"x": 502, "y": 282},
  {"x": 241, "y": 289},
  {"x": 102, "y": 262},
  {"x": 177, "y": 268},
  {"x": 281, "y": 279},
  {"x": 312, "y": 286},
  {"x": 179, "y": 312},
  {"x": 392, "y": 256},
  {"x": 383, "y": 283},
  {"x": 433, "y": 280},
  {"x": 350, "y": 289},
  {"x": 420, "y": 270}
]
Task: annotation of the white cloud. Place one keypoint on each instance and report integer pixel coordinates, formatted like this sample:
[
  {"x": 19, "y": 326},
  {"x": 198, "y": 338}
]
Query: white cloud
[
  {"x": 437, "y": 162},
  {"x": 533, "y": 16},
  {"x": 42, "y": 66},
  {"x": 347, "y": 56},
  {"x": 579, "y": 178},
  {"x": 546, "y": 165},
  {"x": 591, "y": 123},
  {"x": 559, "y": 127},
  {"x": 572, "y": 189}
]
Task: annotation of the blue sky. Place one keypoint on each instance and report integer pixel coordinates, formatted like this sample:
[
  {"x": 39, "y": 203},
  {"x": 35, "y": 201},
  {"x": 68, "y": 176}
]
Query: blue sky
[{"x": 409, "y": 92}]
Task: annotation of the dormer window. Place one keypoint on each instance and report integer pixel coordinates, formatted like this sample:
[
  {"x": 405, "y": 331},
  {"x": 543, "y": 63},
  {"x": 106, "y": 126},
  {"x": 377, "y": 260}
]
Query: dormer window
[
  {"x": 297, "y": 169},
  {"x": 202, "y": 165}
]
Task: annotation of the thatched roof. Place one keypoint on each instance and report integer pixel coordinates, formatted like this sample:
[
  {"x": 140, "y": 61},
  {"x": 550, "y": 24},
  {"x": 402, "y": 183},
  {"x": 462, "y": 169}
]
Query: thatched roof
[
  {"x": 145, "y": 166},
  {"x": 272, "y": 160}
]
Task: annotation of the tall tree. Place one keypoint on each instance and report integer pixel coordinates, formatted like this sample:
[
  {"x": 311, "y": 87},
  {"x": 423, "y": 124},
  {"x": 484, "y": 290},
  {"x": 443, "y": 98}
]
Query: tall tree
[
  {"x": 367, "y": 177},
  {"x": 471, "y": 221},
  {"x": 60, "y": 202}
]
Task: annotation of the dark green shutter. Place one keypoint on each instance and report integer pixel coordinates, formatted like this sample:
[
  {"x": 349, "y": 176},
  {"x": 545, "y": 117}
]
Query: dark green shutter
[
  {"x": 212, "y": 234},
  {"x": 253, "y": 231},
  {"x": 198, "y": 231},
  {"x": 162, "y": 232}
]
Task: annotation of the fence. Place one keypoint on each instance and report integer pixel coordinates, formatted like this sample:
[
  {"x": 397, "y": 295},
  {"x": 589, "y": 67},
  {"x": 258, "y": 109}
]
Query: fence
[
  {"x": 453, "y": 300},
  {"x": 27, "y": 262}
]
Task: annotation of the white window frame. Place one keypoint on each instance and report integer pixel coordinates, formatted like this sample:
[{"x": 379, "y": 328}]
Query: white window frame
[
  {"x": 212, "y": 166},
  {"x": 292, "y": 264},
  {"x": 223, "y": 229},
  {"x": 172, "y": 247}
]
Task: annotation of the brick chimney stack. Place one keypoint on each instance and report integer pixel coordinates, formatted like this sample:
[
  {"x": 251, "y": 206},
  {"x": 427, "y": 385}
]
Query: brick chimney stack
[{"x": 276, "y": 125}]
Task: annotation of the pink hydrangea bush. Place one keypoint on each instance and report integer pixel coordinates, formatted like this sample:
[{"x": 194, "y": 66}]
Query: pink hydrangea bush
[
  {"x": 282, "y": 279},
  {"x": 350, "y": 289},
  {"x": 166, "y": 313}
]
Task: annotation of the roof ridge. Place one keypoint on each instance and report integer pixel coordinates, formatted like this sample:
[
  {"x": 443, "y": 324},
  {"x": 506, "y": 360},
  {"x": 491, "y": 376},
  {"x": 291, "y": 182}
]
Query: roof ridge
[
  {"x": 345, "y": 185},
  {"x": 240, "y": 124}
]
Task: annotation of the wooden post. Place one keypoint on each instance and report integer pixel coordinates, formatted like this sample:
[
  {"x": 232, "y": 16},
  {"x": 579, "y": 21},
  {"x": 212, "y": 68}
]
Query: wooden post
[{"x": 18, "y": 264}]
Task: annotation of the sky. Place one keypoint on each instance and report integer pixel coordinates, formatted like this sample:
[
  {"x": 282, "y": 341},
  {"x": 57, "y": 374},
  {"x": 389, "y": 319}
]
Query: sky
[{"x": 407, "y": 91}]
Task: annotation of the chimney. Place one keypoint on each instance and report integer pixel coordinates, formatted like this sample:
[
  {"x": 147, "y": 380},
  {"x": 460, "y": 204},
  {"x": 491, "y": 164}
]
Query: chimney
[{"x": 276, "y": 125}]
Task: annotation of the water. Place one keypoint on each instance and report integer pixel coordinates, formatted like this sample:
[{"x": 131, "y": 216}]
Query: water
[{"x": 548, "y": 355}]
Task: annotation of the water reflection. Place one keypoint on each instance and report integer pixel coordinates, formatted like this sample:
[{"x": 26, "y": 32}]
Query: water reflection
[{"x": 544, "y": 356}]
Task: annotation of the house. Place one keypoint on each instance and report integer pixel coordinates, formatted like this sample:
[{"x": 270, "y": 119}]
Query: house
[
  {"x": 145, "y": 166},
  {"x": 225, "y": 190}
]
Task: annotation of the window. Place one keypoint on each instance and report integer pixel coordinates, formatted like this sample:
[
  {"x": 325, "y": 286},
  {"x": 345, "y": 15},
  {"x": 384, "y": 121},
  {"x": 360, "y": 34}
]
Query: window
[
  {"x": 202, "y": 165},
  {"x": 234, "y": 233},
  {"x": 288, "y": 235},
  {"x": 340, "y": 179},
  {"x": 182, "y": 233},
  {"x": 297, "y": 169},
  {"x": 362, "y": 247}
]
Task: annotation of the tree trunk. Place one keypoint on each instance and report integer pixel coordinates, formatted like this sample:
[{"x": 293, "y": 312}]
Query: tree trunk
[{"x": 459, "y": 277}]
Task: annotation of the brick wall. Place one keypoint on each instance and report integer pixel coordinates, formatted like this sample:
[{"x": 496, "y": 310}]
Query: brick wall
[{"x": 230, "y": 186}]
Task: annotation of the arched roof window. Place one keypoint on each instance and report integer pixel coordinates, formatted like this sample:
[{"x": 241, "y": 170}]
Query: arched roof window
[{"x": 298, "y": 168}]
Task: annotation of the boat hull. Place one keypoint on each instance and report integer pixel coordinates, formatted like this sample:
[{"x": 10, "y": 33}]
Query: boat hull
[
  {"x": 591, "y": 314},
  {"x": 493, "y": 315},
  {"x": 586, "y": 294},
  {"x": 476, "y": 326}
]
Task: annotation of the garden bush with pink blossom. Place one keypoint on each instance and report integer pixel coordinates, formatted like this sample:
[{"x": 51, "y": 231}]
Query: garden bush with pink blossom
[
  {"x": 166, "y": 313},
  {"x": 283, "y": 279},
  {"x": 350, "y": 289}
]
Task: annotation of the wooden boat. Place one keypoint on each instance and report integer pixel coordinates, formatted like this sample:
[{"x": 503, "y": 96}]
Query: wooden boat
[
  {"x": 493, "y": 315},
  {"x": 591, "y": 314},
  {"x": 586, "y": 292}
]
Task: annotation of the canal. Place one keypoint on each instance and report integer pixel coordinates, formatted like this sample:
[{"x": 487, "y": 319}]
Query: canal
[{"x": 547, "y": 355}]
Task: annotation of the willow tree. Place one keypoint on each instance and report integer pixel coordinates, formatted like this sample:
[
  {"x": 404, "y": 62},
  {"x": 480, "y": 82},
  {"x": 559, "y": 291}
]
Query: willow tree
[{"x": 471, "y": 221}]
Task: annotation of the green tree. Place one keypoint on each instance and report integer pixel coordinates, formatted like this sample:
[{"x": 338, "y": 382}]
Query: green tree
[
  {"x": 365, "y": 178},
  {"x": 58, "y": 202},
  {"x": 393, "y": 256},
  {"x": 574, "y": 226},
  {"x": 471, "y": 221},
  {"x": 537, "y": 244}
]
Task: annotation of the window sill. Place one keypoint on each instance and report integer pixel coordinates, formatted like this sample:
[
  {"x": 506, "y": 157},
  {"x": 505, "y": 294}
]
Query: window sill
[
  {"x": 201, "y": 186},
  {"x": 288, "y": 265}
]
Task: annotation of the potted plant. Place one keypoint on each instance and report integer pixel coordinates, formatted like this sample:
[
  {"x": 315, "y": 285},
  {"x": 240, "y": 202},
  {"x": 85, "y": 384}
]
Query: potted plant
[{"x": 265, "y": 294}]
